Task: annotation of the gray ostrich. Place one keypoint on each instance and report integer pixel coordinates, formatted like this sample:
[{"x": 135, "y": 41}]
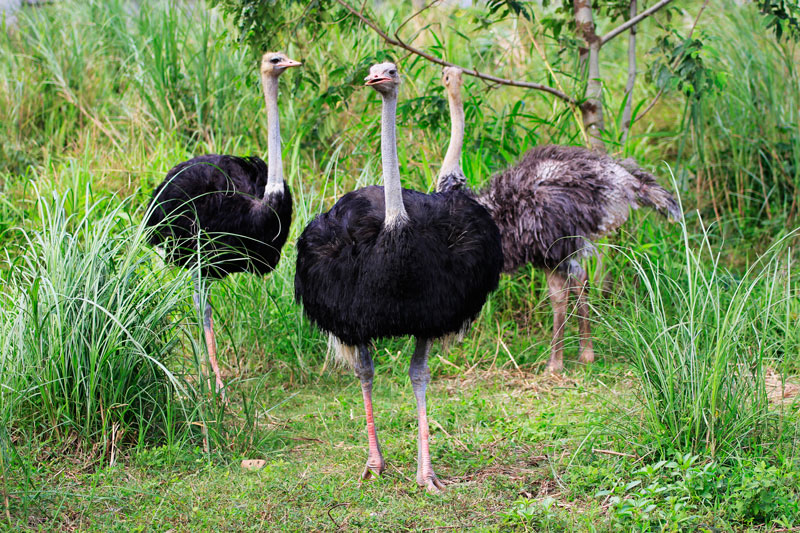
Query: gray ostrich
[{"x": 549, "y": 208}]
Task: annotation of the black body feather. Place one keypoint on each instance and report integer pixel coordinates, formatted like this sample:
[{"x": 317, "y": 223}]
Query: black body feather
[
  {"x": 216, "y": 203},
  {"x": 427, "y": 278}
]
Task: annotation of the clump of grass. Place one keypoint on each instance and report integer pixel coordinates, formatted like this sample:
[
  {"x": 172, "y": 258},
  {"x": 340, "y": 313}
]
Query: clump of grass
[
  {"x": 700, "y": 339},
  {"x": 746, "y": 142},
  {"x": 88, "y": 331}
]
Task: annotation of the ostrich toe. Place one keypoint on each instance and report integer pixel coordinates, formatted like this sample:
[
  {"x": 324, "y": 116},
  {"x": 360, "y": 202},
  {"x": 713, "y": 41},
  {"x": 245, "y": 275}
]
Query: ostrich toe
[{"x": 374, "y": 468}]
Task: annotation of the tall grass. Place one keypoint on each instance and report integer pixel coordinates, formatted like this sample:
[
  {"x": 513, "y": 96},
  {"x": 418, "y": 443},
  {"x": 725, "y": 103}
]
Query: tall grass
[
  {"x": 746, "y": 138},
  {"x": 89, "y": 326},
  {"x": 701, "y": 340}
]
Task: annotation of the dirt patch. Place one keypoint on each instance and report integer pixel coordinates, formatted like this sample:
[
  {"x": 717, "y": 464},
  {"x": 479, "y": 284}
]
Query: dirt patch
[{"x": 780, "y": 389}]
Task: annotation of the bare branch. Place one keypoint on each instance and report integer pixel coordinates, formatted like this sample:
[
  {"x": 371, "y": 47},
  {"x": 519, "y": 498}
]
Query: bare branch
[
  {"x": 433, "y": 59},
  {"x": 633, "y": 21},
  {"x": 412, "y": 17},
  {"x": 649, "y": 106}
]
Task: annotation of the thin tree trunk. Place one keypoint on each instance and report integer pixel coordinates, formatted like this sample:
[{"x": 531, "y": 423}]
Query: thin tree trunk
[
  {"x": 592, "y": 107},
  {"x": 626, "y": 113}
]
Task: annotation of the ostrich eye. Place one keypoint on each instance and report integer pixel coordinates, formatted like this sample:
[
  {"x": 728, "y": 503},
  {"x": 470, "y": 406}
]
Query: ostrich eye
[
  {"x": 274, "y": 60},
  {"x": 447, "y": 78},
  {"x": 392, "y": 72}
]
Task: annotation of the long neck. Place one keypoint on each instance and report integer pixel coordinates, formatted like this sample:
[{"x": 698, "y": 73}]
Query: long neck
[
  {"x": 451, "y": 165},
  {"x": 275, "y": 165},
  {"x": 393, "y": 193}
]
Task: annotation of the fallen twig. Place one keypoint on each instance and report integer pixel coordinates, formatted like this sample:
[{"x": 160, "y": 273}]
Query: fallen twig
[
  {"x": 612, "y": 452},
  {"x": 331, "y": 508}
]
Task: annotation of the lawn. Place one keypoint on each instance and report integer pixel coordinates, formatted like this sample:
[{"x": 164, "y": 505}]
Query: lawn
[{"x": 501, "y": 440}]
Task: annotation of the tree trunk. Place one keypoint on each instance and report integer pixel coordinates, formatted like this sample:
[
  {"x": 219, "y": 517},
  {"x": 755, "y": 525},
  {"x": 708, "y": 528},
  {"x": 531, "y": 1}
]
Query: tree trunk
[
  {"x": 626, "y": 113},
  {"x": 592, "y": 107}
]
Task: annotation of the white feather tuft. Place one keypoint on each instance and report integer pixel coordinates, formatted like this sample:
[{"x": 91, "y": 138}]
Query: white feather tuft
[{"x": 343, "y": 354}]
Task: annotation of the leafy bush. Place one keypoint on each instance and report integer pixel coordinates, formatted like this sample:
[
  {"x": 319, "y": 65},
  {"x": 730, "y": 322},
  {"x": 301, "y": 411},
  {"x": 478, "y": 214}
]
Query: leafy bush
[{"x": 690, "y": 492}]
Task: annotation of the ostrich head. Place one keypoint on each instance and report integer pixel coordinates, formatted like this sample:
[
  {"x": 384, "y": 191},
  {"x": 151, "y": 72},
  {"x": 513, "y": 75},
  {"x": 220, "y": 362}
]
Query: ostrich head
[
  {"x": 384, "y": 78},
  {"x": 452, "y": 80},
  {"x": 275, "y": 63}
]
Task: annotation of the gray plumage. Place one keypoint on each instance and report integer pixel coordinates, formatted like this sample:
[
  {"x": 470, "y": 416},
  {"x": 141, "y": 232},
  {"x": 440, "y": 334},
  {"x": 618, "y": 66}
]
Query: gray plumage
[
  {"x": 550, "y": 207},
  {"x": 557, "y": 199}
]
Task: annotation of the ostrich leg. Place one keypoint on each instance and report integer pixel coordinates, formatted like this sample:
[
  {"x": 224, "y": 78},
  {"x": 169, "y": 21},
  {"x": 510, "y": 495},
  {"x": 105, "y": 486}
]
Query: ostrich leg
[
  {"x": 420, "y": 377},
  {"x": 559, "y": 295},
  {"x": 211, "y": 342},
  {"x": 365, "y": 371},
  {"x": 579, "y": 285}
]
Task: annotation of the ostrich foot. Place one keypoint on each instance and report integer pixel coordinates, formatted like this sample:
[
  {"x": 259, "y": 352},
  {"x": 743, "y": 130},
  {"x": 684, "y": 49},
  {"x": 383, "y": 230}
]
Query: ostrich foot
[
  {"x": 430, "y": 482},
  {"x": 587, "y": 356},
  {"x": 374, "y": 468},
  {"x": 554, "y": 367}
]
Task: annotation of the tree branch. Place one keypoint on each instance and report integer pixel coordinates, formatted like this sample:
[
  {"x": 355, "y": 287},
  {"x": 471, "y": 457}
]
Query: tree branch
[
  {"x": 413, "y": 16},
  {"x": 633, "y": 21},
  {"x": 433, "y": 59}
]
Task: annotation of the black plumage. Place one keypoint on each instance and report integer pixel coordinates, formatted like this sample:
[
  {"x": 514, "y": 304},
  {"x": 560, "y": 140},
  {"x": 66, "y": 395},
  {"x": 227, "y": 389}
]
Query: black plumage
[
  {"x": 224, "y": 213},
  {"x": 216, "y": 205},
  {"x": 428, "y": 278},
  {"x": 385, "y": 262}
]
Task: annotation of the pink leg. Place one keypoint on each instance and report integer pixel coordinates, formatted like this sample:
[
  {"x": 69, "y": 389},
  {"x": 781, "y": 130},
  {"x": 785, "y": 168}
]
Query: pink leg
[
  {"x": 579, "y": 285},
  {"x": 211, "y": 343},
  {"x": 559, "y": 295},
  {"x": 365, "y": 372},
  {"x": 420, "y": 377}
]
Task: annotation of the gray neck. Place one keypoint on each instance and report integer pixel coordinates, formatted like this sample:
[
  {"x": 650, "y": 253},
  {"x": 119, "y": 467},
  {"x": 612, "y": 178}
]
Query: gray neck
[
  {"x": 396, "y": 214},
  {"x": 274, "y": 163},
  {"x": 452, "y": 159}
]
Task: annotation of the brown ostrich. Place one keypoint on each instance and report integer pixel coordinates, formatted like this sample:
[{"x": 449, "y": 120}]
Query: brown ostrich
[{"x": 549, "y": 208}]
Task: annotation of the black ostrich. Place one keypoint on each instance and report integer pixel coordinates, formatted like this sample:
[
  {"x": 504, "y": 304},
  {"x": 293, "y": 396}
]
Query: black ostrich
[
  {"x": 227, "y": 213},
  {"x": 386, "y": 262},
  {"x": 550, "y": 207}
]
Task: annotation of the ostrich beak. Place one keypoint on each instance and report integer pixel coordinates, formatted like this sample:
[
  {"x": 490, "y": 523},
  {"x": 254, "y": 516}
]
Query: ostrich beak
[
  {"x": 375, "y": 80},
  {"x": 289, "y": 63}
]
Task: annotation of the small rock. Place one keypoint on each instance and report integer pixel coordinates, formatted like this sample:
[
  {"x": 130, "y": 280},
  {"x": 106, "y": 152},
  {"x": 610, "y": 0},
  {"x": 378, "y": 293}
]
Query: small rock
[{"x": 253, "y": 464}]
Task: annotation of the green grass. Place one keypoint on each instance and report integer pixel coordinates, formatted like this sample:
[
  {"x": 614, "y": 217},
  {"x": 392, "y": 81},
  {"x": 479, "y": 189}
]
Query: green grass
[
  {"x": 700, "y": 339},
  {"x": 106, "y": 422},
  {"x": 89, "y": 327},
  {"x": 517, "y": 451}
]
